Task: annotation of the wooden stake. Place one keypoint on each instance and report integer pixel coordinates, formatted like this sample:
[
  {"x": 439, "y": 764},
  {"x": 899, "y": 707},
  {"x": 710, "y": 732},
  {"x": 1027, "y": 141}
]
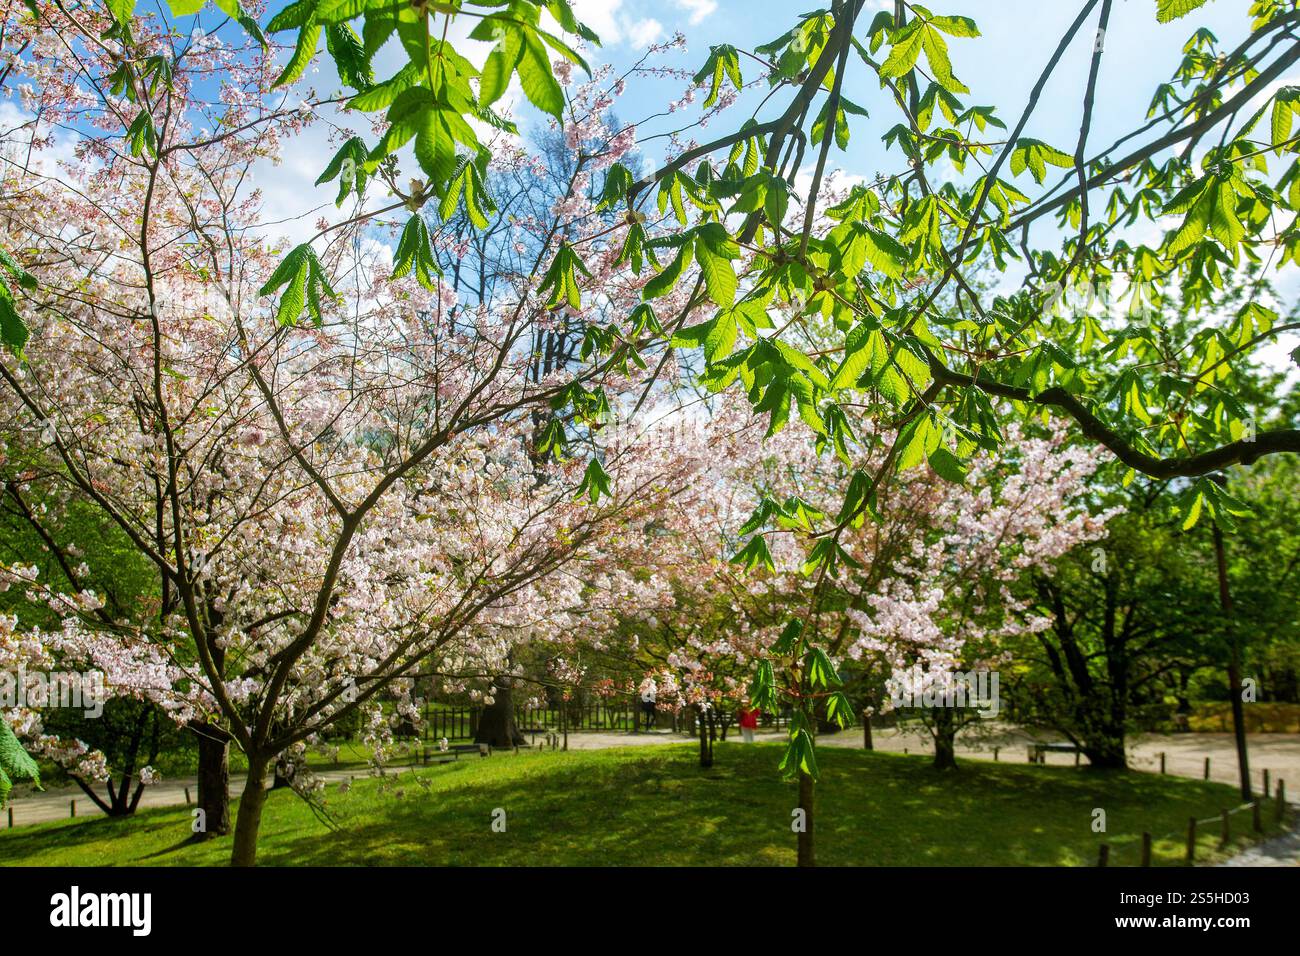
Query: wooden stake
[
  {"x": 1191, "y": 841},
  {"x": 1103, "y": 854},
  {"x": 1146, "y": 849}
]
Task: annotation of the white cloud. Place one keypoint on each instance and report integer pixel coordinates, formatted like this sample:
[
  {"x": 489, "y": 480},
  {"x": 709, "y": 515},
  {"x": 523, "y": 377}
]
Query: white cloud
[
  {"x": 644, "y": 32},
  {"x": 697, "y": 9},
  {"x": 614, "y": 25}
]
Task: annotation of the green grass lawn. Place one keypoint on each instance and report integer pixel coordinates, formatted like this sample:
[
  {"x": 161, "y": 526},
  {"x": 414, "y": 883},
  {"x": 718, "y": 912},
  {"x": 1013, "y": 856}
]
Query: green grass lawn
[{"x": 655, "y": 806}]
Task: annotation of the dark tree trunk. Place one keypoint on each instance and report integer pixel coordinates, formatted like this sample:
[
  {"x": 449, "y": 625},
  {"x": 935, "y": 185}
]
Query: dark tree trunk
[
  {"x": 1234, "y": 668},
  {"x": 945, "y": 739},
  {"x": 1105, "y": 748},
  {"x": 496, "y": 722},
  {"x": 214, "y": 779},
  {"x": 706, "y": 740},
  {"x": 867, "y": 743},
  {"x": 249, "y": 820},
  {"x": 806, "y": 856}
]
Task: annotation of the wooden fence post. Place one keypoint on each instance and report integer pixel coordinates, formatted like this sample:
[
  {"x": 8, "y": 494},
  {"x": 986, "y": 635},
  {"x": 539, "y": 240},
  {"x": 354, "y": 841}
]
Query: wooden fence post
[
  {"x": 1103, "y": 854},
  {"x": 1191, "y": 841},
  {"x": 1146, "y": 848},
  {"x": 11, "y": 818},
  {"x": 1279, "y": 808},
  {"x": 1162, "y": 761},
  {"x": 1267, "y": 787},
  {"x": 73, "y": 807},
  {"x": 1225, "y": 832},
  {"x": 1254, "y": 812},
  {"x": 995, "y": 754},
  {"x": 1207, "y": 768},
  {"x": 187, "y": 796}
]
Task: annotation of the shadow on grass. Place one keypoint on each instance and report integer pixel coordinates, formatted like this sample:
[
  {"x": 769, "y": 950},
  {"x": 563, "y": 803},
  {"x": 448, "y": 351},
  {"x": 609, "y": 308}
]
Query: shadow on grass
[{"x": 655, "y": 806}]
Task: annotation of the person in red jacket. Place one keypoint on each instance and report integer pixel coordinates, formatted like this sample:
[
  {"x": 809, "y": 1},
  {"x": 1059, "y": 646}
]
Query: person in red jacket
[{"x": 748, "y": 724}]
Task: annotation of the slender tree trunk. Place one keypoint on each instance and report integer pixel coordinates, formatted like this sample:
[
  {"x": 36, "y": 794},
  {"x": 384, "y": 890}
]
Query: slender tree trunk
[
  {"x": 867, "y": 743},
  {"x": 1234, "y": 667},
  {"x": 214, "y": 779},
  {"x": 805, "y": 836},
  {"x": 945, "y": 739},
  {"x": 706, "y": 745},
  {"x": 249, "y": 819}
]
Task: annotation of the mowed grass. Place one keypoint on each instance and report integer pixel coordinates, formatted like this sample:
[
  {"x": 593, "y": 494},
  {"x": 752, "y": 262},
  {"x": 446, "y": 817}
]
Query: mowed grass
[{"x": 655, "y": 806}]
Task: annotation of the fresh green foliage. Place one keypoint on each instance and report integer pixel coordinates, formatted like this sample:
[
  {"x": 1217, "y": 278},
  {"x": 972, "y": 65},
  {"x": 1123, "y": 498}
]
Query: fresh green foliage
[
  {"x": 13, "y": 331},
  {"x": 15, "y": 764},
  {"x": 307, "y": 284}
]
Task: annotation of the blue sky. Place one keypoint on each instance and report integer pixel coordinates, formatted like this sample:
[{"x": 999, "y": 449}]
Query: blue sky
[{"x": 1000, "y": 67}]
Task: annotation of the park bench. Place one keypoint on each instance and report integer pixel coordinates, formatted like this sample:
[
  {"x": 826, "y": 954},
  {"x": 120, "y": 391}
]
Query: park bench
[
  {"x": 1038, "y": 752},
  {"x": 454, "y": 751}
]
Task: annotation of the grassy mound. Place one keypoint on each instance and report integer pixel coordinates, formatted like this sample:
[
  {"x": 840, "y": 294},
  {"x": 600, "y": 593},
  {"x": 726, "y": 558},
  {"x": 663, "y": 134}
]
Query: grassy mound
[{"x": 654, "y": 806}]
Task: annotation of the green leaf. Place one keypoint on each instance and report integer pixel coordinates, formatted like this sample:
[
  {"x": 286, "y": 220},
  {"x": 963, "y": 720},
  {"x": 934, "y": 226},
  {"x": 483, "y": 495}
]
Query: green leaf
[
  {"x": 947, "y": 465},
  {"x": 912, "y": 443},
  {"x": 349, "y": 164},
  {"x": 561, "y": 279},
  {"x": 838, "y": 709},
  {"x": 414, "y": 252},
  {"x": 13, "y": 330},
  {"x": 819, "y": 670},
  {"x": 719, "y": 275},
  {"x": 1034, "y": 155},
  {"x": 667, "y": 278},
  {"x": 15, "y": 764},
  {"x": 788, "y": 640},
  {"x": 304, "y": 278},
  {"x": 905, "y": 51},
  {"x": 1169, "y": 10},
  {"x": 122, "y": 10},
  {"x": 755, "y": 555},
  {"x": 535, "y": 77},
  {"x": 800, "y": 755},
  {"x": 303, "y": 52},
  {"x": 595, "y": 482},
  {"x": 500, "y": 63},
  {"x": 762, "y": 689}
]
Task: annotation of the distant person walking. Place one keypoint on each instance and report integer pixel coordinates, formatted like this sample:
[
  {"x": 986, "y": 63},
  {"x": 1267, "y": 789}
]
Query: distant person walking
[
  {"x": 748, "y": 724},
  {"x": 648, "y": 692}
]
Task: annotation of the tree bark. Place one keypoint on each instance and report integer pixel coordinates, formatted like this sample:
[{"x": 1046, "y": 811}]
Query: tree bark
[
  {"x": 945, "y": 739},
  {"x": 249, "y": 819},
  {"x": 1234, "y": 667},
  {"x": 806, "y": 855},
  {"x": 214, "y": 779},
  {"x": 706, "y": 743},
  {"x": 496, "y": 722}
]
